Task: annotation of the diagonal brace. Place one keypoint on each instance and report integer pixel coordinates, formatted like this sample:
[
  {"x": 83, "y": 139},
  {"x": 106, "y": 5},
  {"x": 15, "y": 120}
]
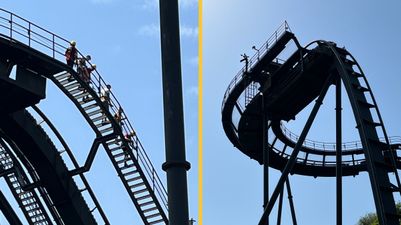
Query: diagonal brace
[
  {"x": 293, "y": 158},
  {"x": 92, "y": 154}
]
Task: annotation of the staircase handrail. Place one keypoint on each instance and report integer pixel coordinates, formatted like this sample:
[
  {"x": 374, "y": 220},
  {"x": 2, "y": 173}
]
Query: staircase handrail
[{"x": 260, "y": 52}]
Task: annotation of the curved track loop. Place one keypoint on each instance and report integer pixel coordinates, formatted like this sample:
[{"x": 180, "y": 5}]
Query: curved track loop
[
  {"x": 133, "y": 164},
  {"x": 16, "y": 178},
  {"x": 285, "y": 91},
  {"x": 239, "y": 102}
]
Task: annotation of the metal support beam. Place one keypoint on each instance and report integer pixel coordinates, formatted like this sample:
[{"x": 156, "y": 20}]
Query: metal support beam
[
  {"x": 292, "y": 160},
  {"x": 265, "y": 150},
  {"x": 8, "y": 211},
  {"x": 176, "y": 165},
  {"x": 74, "y": 162},
  {"x": 280, "y": 206},
  {"x": 291, "y": 201},
  {"x": 338, "y": 152},
  {"x": 92, "y": 154}
]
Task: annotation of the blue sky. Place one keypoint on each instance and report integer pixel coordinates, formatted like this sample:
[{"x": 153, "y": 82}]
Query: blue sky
[
  {"x": 232, "y": 182},
  {"x": 123, "y": 39}
]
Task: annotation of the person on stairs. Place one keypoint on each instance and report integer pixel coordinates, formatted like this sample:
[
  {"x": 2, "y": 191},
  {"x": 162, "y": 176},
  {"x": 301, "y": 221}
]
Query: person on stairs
[
  {"x": 119, "y": 116},
  {"x": 105, "y": 99},
  {"x": 71, "y": 55},
  {"x": 86, "y": 77},
  {"x": 128, "y": 138}
]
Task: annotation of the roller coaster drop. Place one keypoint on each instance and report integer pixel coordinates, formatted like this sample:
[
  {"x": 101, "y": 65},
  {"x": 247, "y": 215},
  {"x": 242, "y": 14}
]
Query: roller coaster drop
[
  {"x": 269, "y": 90},
  {"x": 31, "y": 165}
]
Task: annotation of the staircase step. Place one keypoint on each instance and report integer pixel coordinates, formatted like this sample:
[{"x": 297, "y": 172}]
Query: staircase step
[
  {"x": 143, "y": 197},
  {"x": 350, "y": 62},
  {"x": 153, "y": 215},
  {"x": 156, "y": 221},
  {"x": 115, "y": 149},
  {"x": 61, "y": 76},
  {"x": 30, "y": 204},
  {"x": 360, "y": 88},
  {"x": 149, "y": 209},
  {"x": 133, "y": 179},
  {"x": 94, "y": 112},
  {"x": 140, "y": 191},
  {"x": 87, "y": 100},
  {"x": 33, "y": 210},
  {"x": 94, "y": 105},
  {"x": 66, "y": 81},
  {"x": 123, "y": 160},
  {"x": 130, "y": 173},
  {"x": 366, "y": 104},
  {"x": 146, "y": 203},
  {"x": 136, "y": 185},
  {"x": 72, "y": 86},
  {"x": 106, "y": 130},
  {"x": 356, "y": 74},
  {"x": 376, "y": 124},
  {"x": 121, "y": 154},
  {"x": 75, "y": 91},
  {"x": 79, "y": 96},
  {"x": 114, "y": 141}
]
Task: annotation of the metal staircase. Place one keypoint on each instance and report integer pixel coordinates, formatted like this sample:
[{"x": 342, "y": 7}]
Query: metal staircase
[
  {"x": 128, "y": 157},
  {"x": 28, "y": 200},
  {"x": 380, "y": 157}
]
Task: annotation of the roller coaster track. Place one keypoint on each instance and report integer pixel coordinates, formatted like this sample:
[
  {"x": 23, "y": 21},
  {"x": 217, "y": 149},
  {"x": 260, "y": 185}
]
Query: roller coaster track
[
  {"x": 129, "y": 157},
  {"x": 28, "y": 200},
  {"x": 281, "y": 89}
]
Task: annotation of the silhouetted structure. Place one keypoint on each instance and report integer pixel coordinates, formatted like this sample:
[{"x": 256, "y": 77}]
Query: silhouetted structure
[{"x": 270, "y": 90}]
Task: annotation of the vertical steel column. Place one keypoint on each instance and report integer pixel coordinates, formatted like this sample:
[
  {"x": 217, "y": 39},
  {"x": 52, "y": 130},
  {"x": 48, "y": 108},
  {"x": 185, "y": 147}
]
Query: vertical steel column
[
  {"x": 280, "y": 206},
  {"x": 338, "y": 152},
  {"x": 265, "y": 149},
  {"x": 292, "y": 160},
  {"x": 291, "y": 201},
  {"x": 176, "y": 165}
]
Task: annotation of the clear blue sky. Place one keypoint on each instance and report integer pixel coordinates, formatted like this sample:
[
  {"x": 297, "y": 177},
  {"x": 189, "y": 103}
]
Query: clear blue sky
[
  {"x": 124, "y": 41},
  {"x": 370, "y": 30}
]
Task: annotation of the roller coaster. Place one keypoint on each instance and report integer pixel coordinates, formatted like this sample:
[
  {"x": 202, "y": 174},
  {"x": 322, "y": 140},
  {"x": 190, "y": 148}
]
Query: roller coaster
[
  {"x": 270, "y": 91},
  {"x": 45, "y": 189}
]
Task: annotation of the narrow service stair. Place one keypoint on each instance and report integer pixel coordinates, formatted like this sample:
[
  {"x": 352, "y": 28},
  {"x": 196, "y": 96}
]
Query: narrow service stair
[{"x": 126, "y": 155}]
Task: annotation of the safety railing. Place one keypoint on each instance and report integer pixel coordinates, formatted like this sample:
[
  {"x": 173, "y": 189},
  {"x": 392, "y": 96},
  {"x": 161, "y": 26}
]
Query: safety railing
[
  {"x": 17, "y": 28},
  {"x": 331, "y": 146},
  {"x": 260, "y": 52},
  {"x": 324, "y": 162}
]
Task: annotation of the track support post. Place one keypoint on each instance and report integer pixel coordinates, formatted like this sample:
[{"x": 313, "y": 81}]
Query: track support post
[
  {"x": 265, "y": 149},
  {"x": 292, "y": 160},
  {"x": 338, "y": 152},
  {"x": 176, "y": 165}
]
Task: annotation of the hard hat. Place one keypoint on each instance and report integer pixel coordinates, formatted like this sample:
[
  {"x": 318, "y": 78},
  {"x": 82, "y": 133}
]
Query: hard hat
[
  {"x": 73, "y": 43},
  {"x": 94, "y": 66}
]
